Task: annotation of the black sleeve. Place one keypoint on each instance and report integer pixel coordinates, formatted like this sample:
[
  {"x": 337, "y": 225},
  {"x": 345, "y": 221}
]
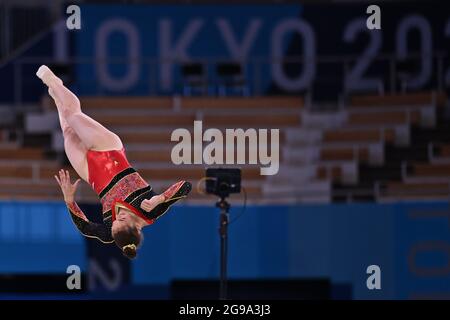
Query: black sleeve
[{"x": 89, "y": 229}]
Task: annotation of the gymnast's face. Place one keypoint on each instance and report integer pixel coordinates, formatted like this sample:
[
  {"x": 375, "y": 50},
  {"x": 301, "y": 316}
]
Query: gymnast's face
[{"x": 125, "y": 219}]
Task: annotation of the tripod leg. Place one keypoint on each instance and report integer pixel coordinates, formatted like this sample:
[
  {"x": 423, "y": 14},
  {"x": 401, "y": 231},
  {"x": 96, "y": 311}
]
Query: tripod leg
[
  {"x": 223, "y": 233},
  {"x": 223, "y": 230},
  {"x": 223, "y": 262}
]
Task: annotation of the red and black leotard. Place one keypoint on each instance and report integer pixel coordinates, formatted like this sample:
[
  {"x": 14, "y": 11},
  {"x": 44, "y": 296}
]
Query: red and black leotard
[{"x": 119, "y": 185}]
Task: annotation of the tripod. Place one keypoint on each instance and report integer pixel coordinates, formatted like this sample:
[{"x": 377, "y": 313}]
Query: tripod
[{"x": 224, "y": 207}]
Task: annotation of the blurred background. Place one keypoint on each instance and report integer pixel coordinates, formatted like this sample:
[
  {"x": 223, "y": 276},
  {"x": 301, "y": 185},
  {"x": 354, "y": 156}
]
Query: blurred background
[{"x": 364, "y": 145}]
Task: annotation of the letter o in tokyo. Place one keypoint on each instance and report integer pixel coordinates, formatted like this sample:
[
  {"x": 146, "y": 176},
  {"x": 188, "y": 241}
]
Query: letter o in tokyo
[
  {"x": 101, "y": 39},
  {"x": 309, "y": 46}
]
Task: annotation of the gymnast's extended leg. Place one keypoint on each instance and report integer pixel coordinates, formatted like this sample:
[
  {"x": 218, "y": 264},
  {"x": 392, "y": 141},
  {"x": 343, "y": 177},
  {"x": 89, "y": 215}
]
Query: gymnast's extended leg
[
  {"x": 93, "y": 135},
  {"x": 73, "y": 146}
]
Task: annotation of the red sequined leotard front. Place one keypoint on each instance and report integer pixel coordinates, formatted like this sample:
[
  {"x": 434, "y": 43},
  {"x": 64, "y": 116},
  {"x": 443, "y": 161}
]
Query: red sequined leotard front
[{"x": 104, "y": 166}]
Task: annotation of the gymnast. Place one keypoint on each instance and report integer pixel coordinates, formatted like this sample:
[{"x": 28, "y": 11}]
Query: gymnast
[{"x": 98, "y": 157}]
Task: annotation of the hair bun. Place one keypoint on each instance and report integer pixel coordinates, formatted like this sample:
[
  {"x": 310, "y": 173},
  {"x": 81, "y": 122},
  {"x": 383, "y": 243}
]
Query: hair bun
[{"x": 129, "y": 251}]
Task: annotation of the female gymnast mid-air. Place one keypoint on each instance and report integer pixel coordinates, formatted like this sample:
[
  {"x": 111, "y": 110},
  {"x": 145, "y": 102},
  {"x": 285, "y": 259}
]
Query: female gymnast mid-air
[{"x": 98, "y": 156}]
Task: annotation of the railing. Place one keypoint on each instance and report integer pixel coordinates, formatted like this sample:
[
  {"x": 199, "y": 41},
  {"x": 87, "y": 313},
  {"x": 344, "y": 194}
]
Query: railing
[{"x": 262, "y": 76}]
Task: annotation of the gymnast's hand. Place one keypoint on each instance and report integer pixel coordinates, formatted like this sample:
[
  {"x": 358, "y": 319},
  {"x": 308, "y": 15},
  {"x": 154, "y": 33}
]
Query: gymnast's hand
[
  {"x": 67, "y": 187},
  {"x": 149, "y": 204}
]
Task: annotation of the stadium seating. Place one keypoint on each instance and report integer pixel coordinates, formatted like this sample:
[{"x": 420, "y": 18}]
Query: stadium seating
[
  {"x": 145, "y": 125},
  {"x": 377, "y": 148}
]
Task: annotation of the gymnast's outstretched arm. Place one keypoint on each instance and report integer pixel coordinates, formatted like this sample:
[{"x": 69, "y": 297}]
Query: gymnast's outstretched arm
[{"x": 87, "y": 228}]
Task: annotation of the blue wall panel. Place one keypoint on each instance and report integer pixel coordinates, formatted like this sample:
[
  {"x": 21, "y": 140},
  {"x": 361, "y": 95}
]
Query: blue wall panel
[
  {"x": 409, "y": 241},
  {"x": 38, "y": 237}
]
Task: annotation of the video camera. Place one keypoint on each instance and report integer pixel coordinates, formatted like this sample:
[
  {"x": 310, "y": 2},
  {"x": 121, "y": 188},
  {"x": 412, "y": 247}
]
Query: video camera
[{"x": 223, "y": 181}]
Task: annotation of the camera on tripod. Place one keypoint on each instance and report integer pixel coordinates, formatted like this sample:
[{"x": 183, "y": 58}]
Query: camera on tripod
[{"x": 223, "y": 181}]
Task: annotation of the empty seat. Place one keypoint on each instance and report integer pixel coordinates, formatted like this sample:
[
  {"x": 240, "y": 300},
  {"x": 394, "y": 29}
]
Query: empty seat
[
  {"x": 409, "y": 99},
  {"x": 145, "y": 137},
  {"x": 335, "y": 154},
  {"x": 108, "y": 103},
  {"x": 250, "y": 121},
  {"x": 361, "y": 135},
  {"x": 21, "y": 153},
  {"x": 431, "y": 170},
  {"x": 416, "y": 190},
  {"x": 146, "y": 120},
  {"x": 384, "y": 118},
  {"x": 47, "y": 172},
  {"x": 258, "y": 103},
  {"x": 15, "y": 171},
  {"x": 334, "y": 173},
  {"x": 149, "y": 156}
]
